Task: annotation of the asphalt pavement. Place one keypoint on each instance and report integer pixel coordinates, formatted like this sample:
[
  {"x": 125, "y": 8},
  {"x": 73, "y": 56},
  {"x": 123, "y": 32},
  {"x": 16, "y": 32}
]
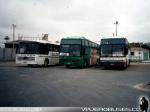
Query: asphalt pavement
[{"x": 57, "y": 86}]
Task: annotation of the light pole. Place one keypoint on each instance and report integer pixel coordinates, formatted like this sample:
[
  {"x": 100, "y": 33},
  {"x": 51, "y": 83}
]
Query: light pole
[
  {"x": 14, "y": 26},
  {"x": 116, "y": 22}
]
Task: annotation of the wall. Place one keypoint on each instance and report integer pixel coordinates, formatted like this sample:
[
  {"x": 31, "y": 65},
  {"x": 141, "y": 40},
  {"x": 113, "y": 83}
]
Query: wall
[
  {"x": 137, "y": 56},
  {"x": 7, "y": 54}
]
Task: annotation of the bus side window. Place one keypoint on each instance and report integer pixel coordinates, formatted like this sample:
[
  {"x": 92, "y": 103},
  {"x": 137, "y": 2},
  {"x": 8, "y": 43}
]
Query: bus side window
[
  {"x": 126, "y": 51},
  {"x": 83, "y": 50},
  {"x": 56, "y": 48},
  {"x": 86, "y": 43},
  {"x": 40, "y": 48},
  {"x": 45, "y": 49},
  {"x": 83, "y": 42}
]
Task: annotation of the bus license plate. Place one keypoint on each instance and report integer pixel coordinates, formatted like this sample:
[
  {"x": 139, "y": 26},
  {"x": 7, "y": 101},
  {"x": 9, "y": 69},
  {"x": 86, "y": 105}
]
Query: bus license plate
[{"x": 111, "y": 64}]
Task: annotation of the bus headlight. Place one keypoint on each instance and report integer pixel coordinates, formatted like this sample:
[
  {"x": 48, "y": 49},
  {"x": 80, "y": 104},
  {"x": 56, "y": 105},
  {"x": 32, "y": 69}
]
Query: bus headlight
[{"x": 64, "y": 54}]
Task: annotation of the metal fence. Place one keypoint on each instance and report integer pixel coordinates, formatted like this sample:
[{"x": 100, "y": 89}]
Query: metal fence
[{"x": 7, "y": 54}]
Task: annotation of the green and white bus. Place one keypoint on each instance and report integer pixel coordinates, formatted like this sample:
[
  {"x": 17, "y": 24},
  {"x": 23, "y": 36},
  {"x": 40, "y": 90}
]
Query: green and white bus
[
  {"x": 78, "y": 51},
  {"x": 114, "y": 52}
]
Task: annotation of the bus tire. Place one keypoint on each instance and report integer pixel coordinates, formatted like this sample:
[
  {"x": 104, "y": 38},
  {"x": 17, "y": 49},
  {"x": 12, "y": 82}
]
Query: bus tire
[
  {"x": 68, "y": 66},
  {"x": 84, "y": 64},
  {"x": 97, "y": 62},
  {"x": 129, "y": 63},
  {"x": 29, "y": 65},
  {"x": 125, "y": 65},
  {"x": 87, "y": 63},
  {"x": 46, "y": 62}
]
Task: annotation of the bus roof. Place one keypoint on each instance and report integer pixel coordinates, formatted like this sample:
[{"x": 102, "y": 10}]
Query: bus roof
[
  {"x": 117, "y": 40},
  {"x": 78, "y": 37},
  {"x": 41, "y": 41},
  {"x": 74, "y": 37}
]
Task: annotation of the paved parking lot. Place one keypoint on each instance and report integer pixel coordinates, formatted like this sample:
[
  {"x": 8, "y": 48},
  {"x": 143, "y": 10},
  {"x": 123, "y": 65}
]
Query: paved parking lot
[{"x": 59, "y": 86}]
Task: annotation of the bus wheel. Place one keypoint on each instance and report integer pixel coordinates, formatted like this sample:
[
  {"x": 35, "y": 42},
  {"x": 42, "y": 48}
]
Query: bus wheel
[
  {"x": 83, "y": 65},
  {"x": 29, "y": 65},
  {"x": 46, "y": 62},
  {"x": 125, "y": 65},
  {"x": 87, "y": 64},
  {"x": 68, "y": 66},
  {"x": 129, "y": 63}
]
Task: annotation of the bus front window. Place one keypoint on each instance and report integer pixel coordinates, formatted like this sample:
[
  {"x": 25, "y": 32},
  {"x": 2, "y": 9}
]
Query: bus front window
[
  {"x": 29, "y": 48},
  {"x": 118, "y": 50},
  {"x": 106, "y": 50},
  {"x": 73, "y": 50},
  {"x": 112, "y": 50},
  {"x": 64, "y": 48}
]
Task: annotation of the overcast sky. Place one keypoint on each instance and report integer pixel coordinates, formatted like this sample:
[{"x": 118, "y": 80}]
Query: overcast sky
[{"x": 93, "y": 19}]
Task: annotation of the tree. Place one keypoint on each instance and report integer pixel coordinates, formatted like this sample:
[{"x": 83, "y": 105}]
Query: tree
[{"x": 6, "y": 38}]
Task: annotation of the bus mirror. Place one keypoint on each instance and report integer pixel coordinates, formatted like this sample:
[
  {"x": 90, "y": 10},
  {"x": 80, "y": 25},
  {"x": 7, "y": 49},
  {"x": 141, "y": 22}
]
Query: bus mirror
[{"x": 126, "y": 51}]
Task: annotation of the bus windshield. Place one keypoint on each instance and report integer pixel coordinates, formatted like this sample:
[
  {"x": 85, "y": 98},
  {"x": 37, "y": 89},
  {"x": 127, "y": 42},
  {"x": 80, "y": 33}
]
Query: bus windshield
[
  {"x": 73, "y": 50},
  {"x": 28, "y": 48},
  {"x": 112, "y": 50}
]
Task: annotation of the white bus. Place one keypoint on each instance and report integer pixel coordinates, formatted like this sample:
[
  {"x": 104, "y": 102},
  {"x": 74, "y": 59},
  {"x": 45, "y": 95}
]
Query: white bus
[
  {"x": 115, "y": 52},
  {"x": 39, "y": 52}
]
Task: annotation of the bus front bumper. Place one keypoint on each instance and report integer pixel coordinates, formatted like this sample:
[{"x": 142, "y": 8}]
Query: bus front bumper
[
  {"x": 71, "y": 61},
  {"x": 107, "y": 63},
  {"x": 26, "y": 60}
]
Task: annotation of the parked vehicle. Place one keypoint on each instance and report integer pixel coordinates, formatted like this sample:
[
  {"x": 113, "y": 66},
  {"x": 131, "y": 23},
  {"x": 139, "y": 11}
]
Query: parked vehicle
[
  {"x": 114, "y": 52},
  {"x": 78, "y": 51},
  {"x": 39, "y": 52}
]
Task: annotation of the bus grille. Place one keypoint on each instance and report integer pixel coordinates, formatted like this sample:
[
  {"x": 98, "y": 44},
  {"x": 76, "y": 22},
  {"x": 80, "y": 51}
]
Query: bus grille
[{"x": 26, "y": 58}]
